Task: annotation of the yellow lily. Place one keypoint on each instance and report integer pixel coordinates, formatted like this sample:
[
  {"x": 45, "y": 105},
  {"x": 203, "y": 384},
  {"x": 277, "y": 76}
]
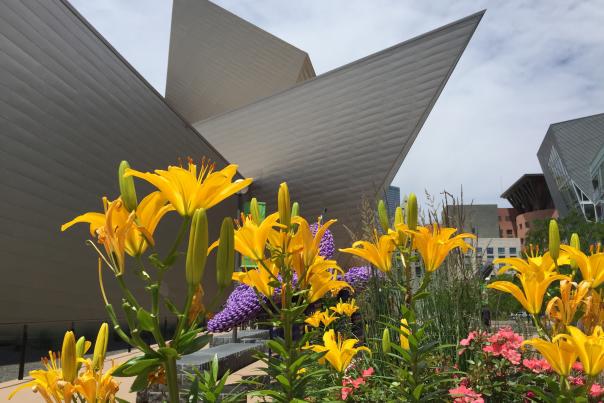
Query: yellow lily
[
  {"x": 120, "y": 231},
  {"x": 251, "y": 238},
  {"x": 399, "y": 234},
  {"x": 187, "y": 190},
  {"x": 562, "y": 309},
  {"x": 339, "y": 352},
  {"x": 259, "y": 278},
  {"x": 590, "y": 348},
  {"x": 533, "y": 289},
  {"x": 345, "y": 308},
  {"x": 379, "y": 254},
  {"x": 592, "y": 267},
  {"x": 48, "y": 381},
  {"x": 434, "y": 245},
  {"x": 304, "y": 240},
  {"x": 96, "y": 386},
  {"x": 559, "y": 353},
  {"x": 404, "y": 335},
  {"x": 320, "y": 317}
]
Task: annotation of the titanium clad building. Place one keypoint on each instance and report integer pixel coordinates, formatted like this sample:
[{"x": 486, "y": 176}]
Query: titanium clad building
[
  {"x": 566, "y": 155},
  {"x": 71, "y": 108}
]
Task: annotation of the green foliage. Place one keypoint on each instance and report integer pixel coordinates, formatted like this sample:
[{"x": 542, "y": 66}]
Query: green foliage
[
  {"x": 591, "y": 232},
  {"x": 207, "y": 385}
]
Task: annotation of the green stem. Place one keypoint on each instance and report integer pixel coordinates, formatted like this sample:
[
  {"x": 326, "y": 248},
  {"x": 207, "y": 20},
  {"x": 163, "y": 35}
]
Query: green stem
[
  {"x": 171, "y": 379},
  {"x": 181, "y": 233},
  {"x": 183, "y": 318},
  {"x": 542, "y": 333}
]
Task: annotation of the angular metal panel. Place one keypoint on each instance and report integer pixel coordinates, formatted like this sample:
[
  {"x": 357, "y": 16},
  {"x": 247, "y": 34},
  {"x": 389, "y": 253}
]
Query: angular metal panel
[
  {"x": 345, "y": 133},
  {"x": 70, "y": 109},
  {"x": 219, "y": 62}
]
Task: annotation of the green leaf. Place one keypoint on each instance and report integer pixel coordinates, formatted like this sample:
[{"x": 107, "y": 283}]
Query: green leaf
[
  {"x": 167, "y": 352},
  {"x": 194, "y": 345},
  {"x": 142, "y": 365},
  {"x": 274, "y": 345},
  {"x": 141, "y": 381},
  {"x": 144, "y": 319}
]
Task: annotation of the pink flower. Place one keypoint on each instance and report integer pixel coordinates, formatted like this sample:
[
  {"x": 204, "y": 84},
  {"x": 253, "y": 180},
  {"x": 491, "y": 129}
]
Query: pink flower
[
  {"x": 368, "y": 372},
  {"x": 463, "y": 394},
  {"x": 467, "y": 340},
  {"x": 505, "y": 343},
  {"x": 596, "y": 390},
  {"x": 576, "y": 380},
  {"x": 346, "y": 392},
  {"x": 358, "y": 382},
  {"x": 577, "y": 366},
  {"x": 538, "y": 366}
]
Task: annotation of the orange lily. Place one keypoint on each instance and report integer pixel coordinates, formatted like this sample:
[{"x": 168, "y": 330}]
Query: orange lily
[{"x": 562, "y": 309}]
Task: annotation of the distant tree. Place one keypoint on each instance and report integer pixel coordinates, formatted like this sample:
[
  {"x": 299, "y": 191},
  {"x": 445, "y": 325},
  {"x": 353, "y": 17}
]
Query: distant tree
[{"x": 589, "y": 232}]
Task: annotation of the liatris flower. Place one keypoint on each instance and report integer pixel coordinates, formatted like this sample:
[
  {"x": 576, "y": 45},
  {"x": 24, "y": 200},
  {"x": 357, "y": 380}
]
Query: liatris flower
[
  {"x": 358, "y": 277},
  {"x": 327, "y": 246},
  {"x": 241, "y": 306}
]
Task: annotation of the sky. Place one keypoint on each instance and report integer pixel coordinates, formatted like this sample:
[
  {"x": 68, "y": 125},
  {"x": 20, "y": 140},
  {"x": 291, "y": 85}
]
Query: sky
[{"x": 529, "y": 64}]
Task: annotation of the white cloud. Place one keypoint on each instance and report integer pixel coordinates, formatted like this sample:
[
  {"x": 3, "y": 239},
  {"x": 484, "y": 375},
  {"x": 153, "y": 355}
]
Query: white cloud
[{"x": 529, "y": 64}]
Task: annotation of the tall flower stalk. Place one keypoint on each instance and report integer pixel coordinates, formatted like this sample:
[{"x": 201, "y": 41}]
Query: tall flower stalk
[{"x": 126, "y": 227}]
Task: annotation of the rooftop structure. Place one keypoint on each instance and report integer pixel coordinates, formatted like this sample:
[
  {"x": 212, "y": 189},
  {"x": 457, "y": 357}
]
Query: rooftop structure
[
  {"x": 529, "y": 193},
  {"x": 565, "y": 156}
]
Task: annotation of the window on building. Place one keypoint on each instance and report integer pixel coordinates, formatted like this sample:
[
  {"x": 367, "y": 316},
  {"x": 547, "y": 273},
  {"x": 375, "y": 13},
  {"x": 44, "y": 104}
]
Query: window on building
[
  {"x": 507, "y": 218},
  {"x": 479, "y": 251},
  {"x": 501, "y": 251},
  {"x": 510, "y": 233},
  {"x": 489, "y": 251},
  {"x": 513, "y": 252},
  {"x": 520, "y": 225}
]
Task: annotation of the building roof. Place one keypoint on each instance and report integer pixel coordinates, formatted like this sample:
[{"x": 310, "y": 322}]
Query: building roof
[
  {"x": 343, "y": 134},
  {"x": 219, "y": 62},
  {"x": 529, "y": 193},
  {"x": 577, "y": 141}
]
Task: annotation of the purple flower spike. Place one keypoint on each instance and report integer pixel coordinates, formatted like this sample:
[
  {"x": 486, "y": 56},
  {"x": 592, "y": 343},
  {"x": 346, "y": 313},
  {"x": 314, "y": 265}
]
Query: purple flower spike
[
  {"x": 241, "y": 306},
  {"x": 327, "y": 246},
  {"x": 358, "y": 277}
]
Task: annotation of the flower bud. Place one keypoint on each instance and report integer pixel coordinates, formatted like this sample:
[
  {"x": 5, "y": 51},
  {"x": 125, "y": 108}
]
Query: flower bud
[
  {"x": 383, "y": 216},
  {"x": 198, "y": 248},
  {"x": 81, "y": 347},
  {"x": 554, "y": 240},
  {"x": 284, "y": 205},
  {"x": 225, "y": 257},
  {"x": 386, "y": 341},
  {"x": 255, "y": 211},
  {"x": 127, "y": 189},
  {"x": 412, "y": 212},
  {"x": 398, "y": 216},
  {"x": 100, "y": 347},
  {"x": 575, "y": 243},
  {"x": 295, "y": 209},
  {"x": 69, "y": 357}
]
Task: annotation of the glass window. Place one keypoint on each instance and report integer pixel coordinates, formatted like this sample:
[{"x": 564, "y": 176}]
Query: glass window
[
  {"x": 489, "y": 251},
  {"x": 479, "y": 251},
  {"x": 510, "y": 233},
  {"x": 501, "y": 251},
  {"x": 512, "y": 251},
  {"x": 520, "y": 225}
]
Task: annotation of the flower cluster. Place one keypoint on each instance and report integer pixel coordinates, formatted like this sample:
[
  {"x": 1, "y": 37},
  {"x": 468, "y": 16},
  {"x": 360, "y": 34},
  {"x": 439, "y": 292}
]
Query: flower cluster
[
  {"x": 240, "y": 307},
  {"x": 349, "y": 385},
  {"x": 327, "y": 246},
  {"x": 463, "y": 394},
  {"x": 505, "y": 343}
]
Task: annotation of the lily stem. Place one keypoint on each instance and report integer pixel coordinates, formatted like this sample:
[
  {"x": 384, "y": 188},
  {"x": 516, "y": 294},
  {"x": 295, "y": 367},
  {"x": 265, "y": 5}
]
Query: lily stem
[{"x": 171, "y": 379}]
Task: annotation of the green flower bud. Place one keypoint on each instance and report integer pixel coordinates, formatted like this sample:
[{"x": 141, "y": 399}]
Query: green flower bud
[
  {"x": 383, "y": 216},
  {"x": 412, "y": 212},
  {"x": 398, "y": 216},
  {"x": 295, "y": 209},
  {"x": 81, "y": 348},
  {"x": 554, "y": 240},
  {"x": 127, "y": 189},
  {"x": 197, "y": 252},
  {"x": 100, "y": 347},
  {"x": 386, "y": 341},
  {"x": 284, "y": 205},
  {"x": 69, "y": 358},
  {"x": 225, "y": 257},
  {"x": 255, "y": 211},
  {"x": 575, "y": 243}
]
